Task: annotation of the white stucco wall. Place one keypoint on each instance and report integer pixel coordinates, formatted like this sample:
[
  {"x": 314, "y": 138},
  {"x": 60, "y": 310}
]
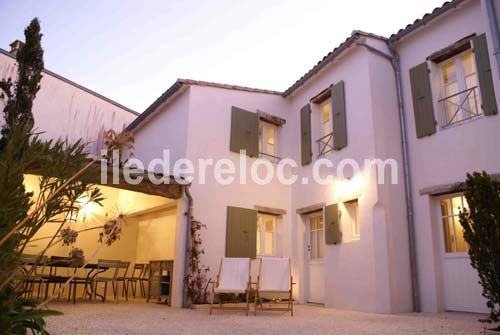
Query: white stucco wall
[
  {"x": 62, "y": 110},
  {"x": 449, "y": 154},
  {"x": 369, "y": 274},
  {"x": 167, "y": 129},
  {"x": 208, "y": 137}
]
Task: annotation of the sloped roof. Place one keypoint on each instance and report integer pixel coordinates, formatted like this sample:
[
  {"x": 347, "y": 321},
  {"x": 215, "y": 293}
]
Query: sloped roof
[
  {"x": 425, "y": 19},
  {"x": 83, "y": 88},
  {"x": 179, "y": 83}
]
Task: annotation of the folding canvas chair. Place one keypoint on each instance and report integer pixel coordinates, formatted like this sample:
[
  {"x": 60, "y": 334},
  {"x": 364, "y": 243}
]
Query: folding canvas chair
[
  {"x": 275, "y": 277},
  {"x": 233, "y": 277}
]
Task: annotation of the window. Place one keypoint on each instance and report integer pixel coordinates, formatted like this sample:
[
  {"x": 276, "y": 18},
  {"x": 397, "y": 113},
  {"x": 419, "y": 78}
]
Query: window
[
  {"x": 325, "y": 143},
  {"x": 453, "y": 231},
  {"x": 316, "y": 236},
  {"x": 326, "y": 125},
  {"x": 352, "y": 209},
  {"x": 266, "y": 235},
  {"x": 267, "y": 141},
  {"x": 461, "y": 99}
]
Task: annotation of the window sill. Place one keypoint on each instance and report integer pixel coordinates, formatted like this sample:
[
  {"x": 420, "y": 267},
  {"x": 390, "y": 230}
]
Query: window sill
[{"x": 456, "y": 255}]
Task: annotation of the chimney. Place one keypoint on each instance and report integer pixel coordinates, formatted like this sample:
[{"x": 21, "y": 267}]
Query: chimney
[{"x": 15, "y": 46}]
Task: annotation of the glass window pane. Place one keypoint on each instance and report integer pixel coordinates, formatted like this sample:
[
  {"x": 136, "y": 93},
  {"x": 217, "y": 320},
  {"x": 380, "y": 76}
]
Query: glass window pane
[
  {"x": 459, "y": 235},
  {"x": 456, "y": 203},
  {"x": 321, "y": 242},
  {"x": 448, "y": 232},
  {"x": 270, "y": 134},
  {"x": 464, "y": 202},
  {"x": 326, "y": 124},
  {"x": 468, "y": 63},
  {"x": 259, "y": 230},
  {"x": 269, "y": 225},
  {"x": 449, "y": 72},
  {"x": 270, "y": 150},
  {"x": 313, "y": 224},
  {"x": 357, "y": 228},
  {"x": 326, "y": 112},
  {"x": 320, "y": 222},
  {"x": 313, "y": 244},
  {"x": 269, "y": 243},
  {"x": 445, "y": 207},
  {"x": 261, "y": 127}
]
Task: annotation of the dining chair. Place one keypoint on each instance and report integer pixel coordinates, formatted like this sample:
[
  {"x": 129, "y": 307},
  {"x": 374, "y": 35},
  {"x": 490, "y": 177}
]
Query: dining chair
[
  {"x": 135, "y": 277},
  {"x": 121, "y": 277},
  {"x": 56, "y": 265},
  {"x": 33, "y": 267},
  {"x": 105, "y": 267},
  {"x": 145, "y": 279}
]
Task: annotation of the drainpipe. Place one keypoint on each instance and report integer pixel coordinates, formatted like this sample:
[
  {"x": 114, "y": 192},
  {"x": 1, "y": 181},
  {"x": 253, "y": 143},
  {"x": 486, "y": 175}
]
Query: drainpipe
[
  {"x": 493, "y": 20},
  {"x": 189, "y": 215},
  {"x": 396, "y": 65}
]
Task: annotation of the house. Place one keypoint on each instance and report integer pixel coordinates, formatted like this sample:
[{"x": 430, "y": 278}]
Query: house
[
  {"x": 425, "y": 99},
  {"x": 354, "y": 243}
]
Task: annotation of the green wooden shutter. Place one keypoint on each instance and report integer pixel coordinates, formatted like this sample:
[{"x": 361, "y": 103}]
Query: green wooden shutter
[
  {"x": 489, "y": 102},
  {"x": 241, "y": 232},
  {"x": 339, "y": 116},
  {"x": 244, "y": 132},
  {"x": 423, "y": 108},
  {"x": 333, "y": 235},
  {"x": 305, "y": 134}
]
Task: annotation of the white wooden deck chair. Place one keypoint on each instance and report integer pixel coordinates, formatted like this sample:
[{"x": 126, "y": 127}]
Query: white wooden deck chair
[
  {"x": 233, "y": 277},
  {"x": 275, "y": 277}
]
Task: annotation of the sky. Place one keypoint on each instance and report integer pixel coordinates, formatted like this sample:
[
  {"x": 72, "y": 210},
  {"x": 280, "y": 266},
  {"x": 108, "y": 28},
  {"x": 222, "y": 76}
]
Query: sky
[{"x": 131, "y": 51}]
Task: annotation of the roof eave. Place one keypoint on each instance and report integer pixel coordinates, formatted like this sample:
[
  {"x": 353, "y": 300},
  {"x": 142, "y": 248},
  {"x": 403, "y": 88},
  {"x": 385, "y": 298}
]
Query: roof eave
[{"x": 419, "y": 23}]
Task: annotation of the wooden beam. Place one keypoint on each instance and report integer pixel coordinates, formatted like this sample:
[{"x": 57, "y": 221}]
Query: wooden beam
[
  {"x": 311, "y": 209},
  {"x": 269, "y": 210},
  {"x": 273, "y": 119}
]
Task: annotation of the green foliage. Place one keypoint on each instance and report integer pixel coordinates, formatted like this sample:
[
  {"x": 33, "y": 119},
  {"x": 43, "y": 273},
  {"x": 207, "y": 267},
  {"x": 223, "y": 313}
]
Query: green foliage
[
  {"x": 22, "y": 213},
  {"x": 19, "y": 96},
  {"x": 481, "y": 224},
  {"x": 22, "y": 314},
  {"x": 196, "y": 281}
]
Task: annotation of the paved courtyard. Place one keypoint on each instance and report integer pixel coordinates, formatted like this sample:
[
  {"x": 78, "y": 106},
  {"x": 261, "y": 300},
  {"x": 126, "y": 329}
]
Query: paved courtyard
[{"x": 141, "y": 318}]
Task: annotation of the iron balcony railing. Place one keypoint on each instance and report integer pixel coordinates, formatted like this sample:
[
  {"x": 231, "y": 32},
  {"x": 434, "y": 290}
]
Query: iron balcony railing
[
  {"x": 325, "y": 144},
  {"x": 273, "y": 159},
  {"x": 460, "y": 106}
]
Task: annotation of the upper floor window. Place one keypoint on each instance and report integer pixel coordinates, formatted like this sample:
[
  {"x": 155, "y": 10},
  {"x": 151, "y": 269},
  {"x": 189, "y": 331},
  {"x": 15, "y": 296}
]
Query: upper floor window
[
  {"x": 461, "y": 98},
  {"x": 266, "y": 235},
  {"x": 452, "y": 229},
  {"x": 325, "y": 142},
  {"x": 267, "y": 141}
]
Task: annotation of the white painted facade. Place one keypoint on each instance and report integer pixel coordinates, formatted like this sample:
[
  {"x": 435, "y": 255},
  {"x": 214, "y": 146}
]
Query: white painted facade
[
  {"x": 370, "y": 273},
  {"x": 447, "y": 281}
]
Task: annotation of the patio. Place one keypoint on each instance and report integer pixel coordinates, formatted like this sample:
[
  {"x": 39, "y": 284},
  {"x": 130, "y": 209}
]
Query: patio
[{"x": 140, "y": 318}]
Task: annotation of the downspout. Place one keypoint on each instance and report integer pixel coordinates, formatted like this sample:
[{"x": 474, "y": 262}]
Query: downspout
[
  {"x": 189, "y": 215},
  {"x": 493, "y": 20},
  {"x": 396, "y": 65}
]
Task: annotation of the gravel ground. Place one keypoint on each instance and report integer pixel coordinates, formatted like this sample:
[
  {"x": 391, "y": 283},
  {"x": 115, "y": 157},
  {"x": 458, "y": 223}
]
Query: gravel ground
[{"x": 141, "y": 318}]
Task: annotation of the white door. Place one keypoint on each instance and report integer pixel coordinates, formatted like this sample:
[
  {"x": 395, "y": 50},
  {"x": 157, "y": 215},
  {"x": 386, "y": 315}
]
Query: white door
[
  {"x": 461, "y": 289},
  {"x": 315, "y": 250}
]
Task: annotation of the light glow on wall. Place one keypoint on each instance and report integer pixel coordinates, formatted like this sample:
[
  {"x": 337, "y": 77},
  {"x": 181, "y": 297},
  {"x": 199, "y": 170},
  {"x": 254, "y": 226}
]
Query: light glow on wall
[{"x": 349, "y": 189}]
